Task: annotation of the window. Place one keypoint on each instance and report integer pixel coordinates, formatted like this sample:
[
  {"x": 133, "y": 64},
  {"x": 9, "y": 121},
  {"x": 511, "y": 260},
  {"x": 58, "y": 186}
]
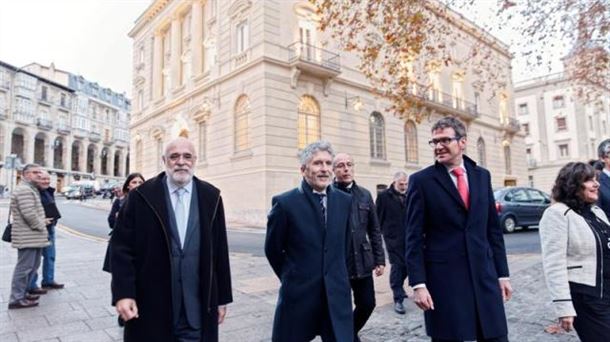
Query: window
[
  {"x": 523, "y": 110},
  {"x": 526, "y": 128},
  {"x": 159, "y": 153},
  {"x": 141, "y": 55},
  {"x": 308, "y": 121},
  {"x": 561, "y": 124},
  {"x": 435, "y": 86},
  {"x": 44, "y": 93},
  {"x": 507, "y": 160},
  {"x": 377, "y": 135},
  {"x": 62, "y": 100},
  {"x": 458, "y": 90},
  {"x": 558, "y": 102},
  {"x": 202, "y": 140},
  {"x": 564, "y": 151},
  {"x": 242, "y": 37},
  {"x": 530, "y": 181},
  {"x": 140, "y": 99},
  {"x": 242, "y": 109},
  {"x": 411, "y": 142},
  {"x": 481, "y": 152},
  {"x": 536, "y": 196},
  {"x": 518, "y": 195}
]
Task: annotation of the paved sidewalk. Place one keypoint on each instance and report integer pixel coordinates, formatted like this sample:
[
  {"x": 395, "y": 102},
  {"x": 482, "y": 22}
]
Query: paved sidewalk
[{"x": 82, "y": 311}]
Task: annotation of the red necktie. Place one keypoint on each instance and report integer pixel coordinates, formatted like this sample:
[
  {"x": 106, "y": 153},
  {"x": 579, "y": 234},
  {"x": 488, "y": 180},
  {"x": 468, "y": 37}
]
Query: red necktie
[{"x": 461, "y": 185}]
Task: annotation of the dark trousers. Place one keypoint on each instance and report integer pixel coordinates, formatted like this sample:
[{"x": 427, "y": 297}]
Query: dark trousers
[
  {"x": 364, "y": 300},
  {"x": 325, "y": 326},
  {"x": 183, "y": 331},
  {"x": 592, "y": 321},
  {"x": 398, "y": 274}
]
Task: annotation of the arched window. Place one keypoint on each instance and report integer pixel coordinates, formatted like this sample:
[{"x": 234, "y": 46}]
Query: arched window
[
  {"x": 410, "y": 142},
  {"x": 308, "y": 121},
  {"x": 242, "y": 109},
  {"x": 481, "y": 152},
  {"x": 507, "y": 161},
  {"x": 377, "y": 135}
]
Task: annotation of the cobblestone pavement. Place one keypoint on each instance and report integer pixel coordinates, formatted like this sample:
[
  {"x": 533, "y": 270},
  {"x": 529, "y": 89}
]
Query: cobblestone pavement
[{"x": 82, "y": 311}]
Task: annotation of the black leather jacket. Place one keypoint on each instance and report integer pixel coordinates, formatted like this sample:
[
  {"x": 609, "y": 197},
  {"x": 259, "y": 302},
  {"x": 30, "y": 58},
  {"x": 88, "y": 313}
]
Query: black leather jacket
[{"x": 365, "y": 250}]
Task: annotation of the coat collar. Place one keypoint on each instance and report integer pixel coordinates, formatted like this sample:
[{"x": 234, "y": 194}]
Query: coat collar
[{"x": 472, "y": 171}]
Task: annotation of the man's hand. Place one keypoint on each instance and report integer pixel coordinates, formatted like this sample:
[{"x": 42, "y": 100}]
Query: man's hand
[
  {"x": 506, "y": 289},
  {"x": 127, "y": 309},
  {"x": 566, "y": 323},
  {"x": 379, "y": 270},
  {"x": 423, "y": 299},
  {"x": 222, "y": 312},
  {"x": 48, "y": 220}
]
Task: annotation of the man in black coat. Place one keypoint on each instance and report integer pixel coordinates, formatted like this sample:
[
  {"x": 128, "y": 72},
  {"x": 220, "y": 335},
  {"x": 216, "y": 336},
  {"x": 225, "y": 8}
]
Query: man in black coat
[
  {"x": 306, "y": 245},
  {"x": 365, "y": 249},
  {"x": 170, "y": 260},
  {"x": 603, "y": 150},
  {"x": 391, "y": 209}
]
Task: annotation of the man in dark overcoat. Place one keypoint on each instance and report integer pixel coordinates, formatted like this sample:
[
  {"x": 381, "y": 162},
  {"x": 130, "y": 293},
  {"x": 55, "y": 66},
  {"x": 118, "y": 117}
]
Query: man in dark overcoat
[
  {"x": 306, "y": 246},
  {"x": 391, "y": 209},
  {"x": 170, "y": 260},
  {"x": 603, "y": 151},
  {"x": 365, "y": 248},
  {"x": 455, "y": 247}
]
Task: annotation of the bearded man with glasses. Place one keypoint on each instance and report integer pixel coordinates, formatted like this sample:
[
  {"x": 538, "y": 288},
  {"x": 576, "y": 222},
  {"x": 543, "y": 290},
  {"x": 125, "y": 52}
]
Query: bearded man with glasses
[{"x": 454, "y": 244}]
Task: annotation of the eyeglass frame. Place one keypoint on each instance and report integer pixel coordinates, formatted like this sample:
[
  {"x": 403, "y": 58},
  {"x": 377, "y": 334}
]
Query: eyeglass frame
[{"x": 433, "y": 144}]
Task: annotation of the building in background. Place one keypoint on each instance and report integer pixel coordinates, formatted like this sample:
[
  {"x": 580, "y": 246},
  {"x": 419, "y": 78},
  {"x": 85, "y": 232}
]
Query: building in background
[
  {"x": 558, "y": 126},
  {"x": 250, "y": 83},
  {"x": 74, "y": 128}
]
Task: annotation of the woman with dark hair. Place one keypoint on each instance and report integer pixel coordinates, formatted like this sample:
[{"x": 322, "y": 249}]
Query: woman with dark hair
[
  {"x": 133, "y": 181},
  {"x": 575, "y": 239}
]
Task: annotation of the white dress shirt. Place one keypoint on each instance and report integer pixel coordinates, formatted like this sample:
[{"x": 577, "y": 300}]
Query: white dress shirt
[{"x": 186, "y": 199}]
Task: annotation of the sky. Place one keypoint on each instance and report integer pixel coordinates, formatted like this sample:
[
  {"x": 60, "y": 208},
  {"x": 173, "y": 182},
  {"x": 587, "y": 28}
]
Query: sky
[{"x": 89, "y": 37}]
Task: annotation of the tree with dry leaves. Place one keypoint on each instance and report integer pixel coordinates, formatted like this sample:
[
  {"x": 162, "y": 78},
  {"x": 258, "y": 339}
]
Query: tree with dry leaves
[{"x": 400, "y": 41}]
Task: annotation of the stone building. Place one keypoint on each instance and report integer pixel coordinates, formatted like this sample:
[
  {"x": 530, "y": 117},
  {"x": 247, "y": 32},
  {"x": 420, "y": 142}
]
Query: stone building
[
  {"x": 74, "y": 128},
  {"x": 249, "y": 82},
  {"x": 559, "y": 126}
]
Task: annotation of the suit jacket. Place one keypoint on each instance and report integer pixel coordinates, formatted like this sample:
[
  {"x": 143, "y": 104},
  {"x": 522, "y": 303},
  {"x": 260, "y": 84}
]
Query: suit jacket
[
  {"x": 309, "y": 258},
  {"x": 391, "y": 213},
  {"x": 449, "y": 244},
  {"x": 604, "y": 194},
  {"x": 142, "y": 265}
]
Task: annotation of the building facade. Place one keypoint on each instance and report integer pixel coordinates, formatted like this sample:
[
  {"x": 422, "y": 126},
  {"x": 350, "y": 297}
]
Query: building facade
[
  {"x": 71, "y": 126},
  {"x": 249, "y": 82},
  {"x": 558, "y": 126}
]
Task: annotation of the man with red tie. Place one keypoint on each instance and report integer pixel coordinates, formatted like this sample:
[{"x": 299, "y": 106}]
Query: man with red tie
[{"x": 454, "y": 244}]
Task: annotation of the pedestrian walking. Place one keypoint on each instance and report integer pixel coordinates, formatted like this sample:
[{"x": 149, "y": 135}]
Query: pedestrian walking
[
  {"x": 365, "y": 249},
  {"x": 391, "y": 209},
  {"x": 575, "y": 240},
  {"x": 171, "y": 279},
  {"x": 306, "y": 243},
  {"x": 29, "y": 235},
  {"x": 454, "y": 246}
]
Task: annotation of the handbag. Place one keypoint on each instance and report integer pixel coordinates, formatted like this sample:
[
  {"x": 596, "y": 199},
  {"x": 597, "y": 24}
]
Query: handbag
[{"x": 6, "y": 235}]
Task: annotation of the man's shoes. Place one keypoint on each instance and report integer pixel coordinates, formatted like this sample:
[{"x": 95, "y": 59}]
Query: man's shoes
[
  {"x": 22, "y": 304},
  {"x": 31, "y": 297},
  {"x": 53, "y": 286},
  {"x": 399, "y": 308},
  {"x": 37, "y": 291}
]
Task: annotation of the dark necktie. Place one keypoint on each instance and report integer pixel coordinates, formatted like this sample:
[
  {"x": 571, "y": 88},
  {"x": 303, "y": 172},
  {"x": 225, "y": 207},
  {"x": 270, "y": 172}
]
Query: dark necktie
[{"x": 322, "y": 207}]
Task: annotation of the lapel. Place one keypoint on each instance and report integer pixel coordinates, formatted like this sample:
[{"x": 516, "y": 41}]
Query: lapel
[
  {"x": 157, "y": 196},
  {"x": 475, "y": 189},
  {"x": 331, "y": 206},
  {"x": 307, "y": 191},
  {"x": 442, "y": 177}
]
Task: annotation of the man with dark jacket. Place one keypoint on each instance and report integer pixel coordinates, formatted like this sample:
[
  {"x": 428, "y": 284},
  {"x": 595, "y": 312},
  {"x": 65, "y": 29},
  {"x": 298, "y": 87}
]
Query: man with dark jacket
[
  {"x": 306, "y": 246},
  {"x": 169, "y": 256},
  {"x": 365, "y": 249},
  {"x": 603, "y": 150},
  {"x": 47, "y": 197},
  {"x": 391, "y": 209}
]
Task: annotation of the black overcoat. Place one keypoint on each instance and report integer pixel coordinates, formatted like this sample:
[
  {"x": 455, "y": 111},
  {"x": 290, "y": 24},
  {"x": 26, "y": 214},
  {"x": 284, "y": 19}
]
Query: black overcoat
[
  {"x": 457, "y": 253},
  {"x": 310, "y": 261},
  {"x": 141, "y": 260},
  {"x": 604, "y": 193},
  {"x": 391, "y": 213}
]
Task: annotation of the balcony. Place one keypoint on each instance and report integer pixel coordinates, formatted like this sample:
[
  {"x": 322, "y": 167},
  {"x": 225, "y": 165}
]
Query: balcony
[
  {"x": 45, "y": 124},
  {"x": 446, "y": 103},
  {"x": 23, "y": 118},
  {"x": 80, "y": 132},
  {"x": 314, "y": 60},
  {"x": 63, "y": 106},
  {"x": 5, "y": 84},
  {"x": 95, "y": 136},
  {"x": 62, "y": 128},
  {"x": 45, "y": 100},
  {"x": 510, "y": 125}
]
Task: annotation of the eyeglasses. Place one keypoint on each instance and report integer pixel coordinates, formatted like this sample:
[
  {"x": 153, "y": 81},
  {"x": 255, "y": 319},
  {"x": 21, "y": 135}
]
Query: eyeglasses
[
  {"x": 176, "y": 156},
  {"x": 443, "y": 141}
]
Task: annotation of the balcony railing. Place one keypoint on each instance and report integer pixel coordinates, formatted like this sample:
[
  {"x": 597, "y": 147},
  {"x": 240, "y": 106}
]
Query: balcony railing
[
  {"x": 43, "y": 123},
  {"x": 510, "y": 124},
  {"x": 63, "y": 128},
  {"x": 300, "y": 52},
  {"x": 446, "y": 102},
  {"x": 80, "y": 132},
  {"x": 23, "y": 117},
  {"x": 95, "y": 136}
]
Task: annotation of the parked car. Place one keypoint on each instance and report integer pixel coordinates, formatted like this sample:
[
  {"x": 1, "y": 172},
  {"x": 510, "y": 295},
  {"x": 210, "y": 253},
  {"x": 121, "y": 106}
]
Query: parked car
[
  {"x": 81, "y": 191},
  {"x": 520, "y": 207}
]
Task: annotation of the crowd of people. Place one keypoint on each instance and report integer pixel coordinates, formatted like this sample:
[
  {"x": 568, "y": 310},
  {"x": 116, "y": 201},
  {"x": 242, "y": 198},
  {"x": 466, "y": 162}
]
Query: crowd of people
[{"x": 169, "y": 258}]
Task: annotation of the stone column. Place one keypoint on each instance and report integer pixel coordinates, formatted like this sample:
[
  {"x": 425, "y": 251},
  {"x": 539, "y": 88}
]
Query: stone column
[
  {"x": 97, "y": 161},
  {"x": 29, "y": 143},
  {"x": 157, "y": 65},
  {"x": 82, "y": 158},
  {"x": 175, "y": 52},
  {"x": 122, "y": 156},
  {"x": 67, "y": 158},
  {"x": 110, "y": 163},
  {"x": 49, "y": 152},
  {"x": 197, "y": 37}
]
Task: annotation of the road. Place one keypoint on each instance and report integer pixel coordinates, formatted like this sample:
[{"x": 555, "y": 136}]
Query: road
[{"x": 93, "y": 222}]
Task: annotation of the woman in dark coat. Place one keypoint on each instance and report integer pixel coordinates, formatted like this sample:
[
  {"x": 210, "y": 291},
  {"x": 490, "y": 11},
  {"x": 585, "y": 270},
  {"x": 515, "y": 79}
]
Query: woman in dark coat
[{"x": 133, "y": 181}]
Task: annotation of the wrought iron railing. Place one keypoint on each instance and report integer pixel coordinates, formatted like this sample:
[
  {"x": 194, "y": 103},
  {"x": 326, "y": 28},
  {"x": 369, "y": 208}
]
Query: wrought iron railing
[{"x": 313, "y": 54}]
